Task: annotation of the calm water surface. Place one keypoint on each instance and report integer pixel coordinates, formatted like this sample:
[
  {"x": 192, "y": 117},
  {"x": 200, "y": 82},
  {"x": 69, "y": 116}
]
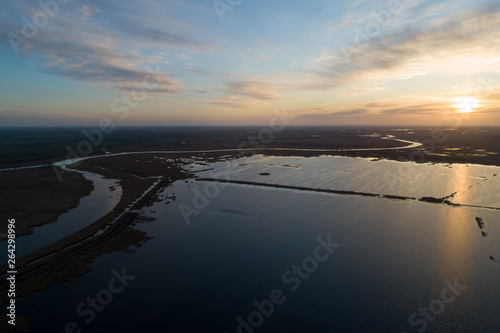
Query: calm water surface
[
  {"x": 393, "y": 256},
  {"x": 103, "y": 198}
]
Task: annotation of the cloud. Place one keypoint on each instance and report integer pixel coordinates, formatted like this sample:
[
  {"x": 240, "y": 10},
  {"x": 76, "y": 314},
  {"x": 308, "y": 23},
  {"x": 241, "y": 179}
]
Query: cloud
[
  {"x": 109, "y": 49},
  {"x": 200, "y": 72},
  {"x": 233, "y": 102},
  {"x": 407, "y": 110},
  {"x": 246, "y": 94},
  {"x": 119, "y": 77},
  {"x": 379, "y": 112},
  {"x": 252, "y": 89},
  {"x": 18, "y": 117},
  {"x": 334, "y": 115},
  {"x": 414, "y": 47},
  {"x": 87, "y": 12},
  {"x": 364, "y": 90}
]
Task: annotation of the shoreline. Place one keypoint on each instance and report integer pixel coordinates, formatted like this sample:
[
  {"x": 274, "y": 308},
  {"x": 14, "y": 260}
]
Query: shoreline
[
  {"x": 58, "y": 162},
  {"x": 62, "y": 260},
  {"x": 20, "y": 185},
  {"x": 137, "y": 173},
  {"x": 345, "y": 192},
  {"x": 142, "y": 175}
]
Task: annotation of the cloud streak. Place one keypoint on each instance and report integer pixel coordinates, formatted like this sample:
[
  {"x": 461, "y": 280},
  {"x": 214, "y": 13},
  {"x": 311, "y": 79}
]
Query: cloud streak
[
  {"x": 109, "y": 46},
  {"x": 426, "y": 54},
  {"x": 410, "y": 49}
]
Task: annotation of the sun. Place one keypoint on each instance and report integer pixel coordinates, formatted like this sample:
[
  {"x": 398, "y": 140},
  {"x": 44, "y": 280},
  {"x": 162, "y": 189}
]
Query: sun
[{"x": 465, "y": 104}]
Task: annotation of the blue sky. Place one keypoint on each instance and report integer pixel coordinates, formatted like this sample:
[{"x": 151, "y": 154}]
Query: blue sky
[{"x": 397, "y": 62}]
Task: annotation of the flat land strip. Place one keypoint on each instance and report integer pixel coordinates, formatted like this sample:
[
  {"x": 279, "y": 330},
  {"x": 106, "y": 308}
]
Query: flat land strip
[{"x": 34, "y": 197}]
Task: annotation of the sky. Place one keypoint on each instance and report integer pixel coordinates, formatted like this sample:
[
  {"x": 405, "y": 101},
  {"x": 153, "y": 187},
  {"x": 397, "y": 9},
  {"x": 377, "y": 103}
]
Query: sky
[{"x": 239, "y": 62}]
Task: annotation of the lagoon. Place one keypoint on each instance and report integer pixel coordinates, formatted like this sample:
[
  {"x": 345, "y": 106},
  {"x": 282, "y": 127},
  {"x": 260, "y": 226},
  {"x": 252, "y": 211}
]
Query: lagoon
[{"x": 394, "y": 257}]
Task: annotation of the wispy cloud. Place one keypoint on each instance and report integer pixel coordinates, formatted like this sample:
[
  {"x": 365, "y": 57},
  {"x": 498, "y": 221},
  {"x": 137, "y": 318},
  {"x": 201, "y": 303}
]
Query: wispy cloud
[
  {"x": 333, "y": 115},
  {"x": 425, "y": 55},
  {"x": 252, "y": 89},
  {"x": 18, "y": 117},
  {"x": 234, "y": 102},
  {"x": 246, "y": 94},
  {"x": 110, "y": 46},
  {"x": 412, "y": 48}
]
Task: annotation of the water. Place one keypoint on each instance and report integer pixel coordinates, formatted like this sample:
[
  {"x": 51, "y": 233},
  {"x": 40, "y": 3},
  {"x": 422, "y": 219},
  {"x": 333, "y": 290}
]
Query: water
[
  {"x": 395, "y": 256},
  {"x": 103, "y": 198},
  {"x": 473, "y": 184}
]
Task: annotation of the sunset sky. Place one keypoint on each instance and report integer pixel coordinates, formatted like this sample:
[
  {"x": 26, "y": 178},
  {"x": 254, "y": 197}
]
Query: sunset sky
[{"x": 200, "y": 62}]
